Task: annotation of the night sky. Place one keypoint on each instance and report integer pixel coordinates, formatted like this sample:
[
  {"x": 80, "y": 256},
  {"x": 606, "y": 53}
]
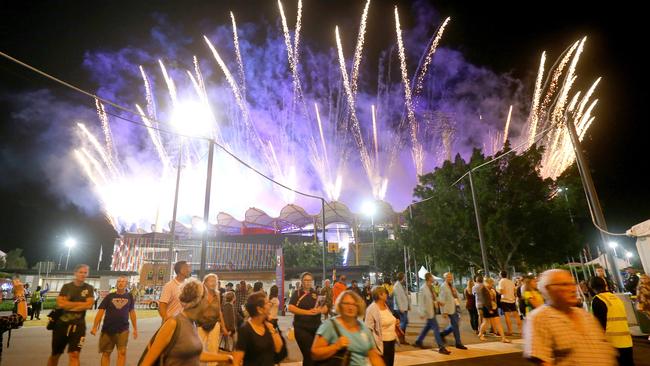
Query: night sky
[{"x": 501, "y": 36}]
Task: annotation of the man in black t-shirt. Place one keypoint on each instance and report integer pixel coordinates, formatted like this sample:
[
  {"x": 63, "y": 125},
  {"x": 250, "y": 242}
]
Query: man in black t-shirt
[{"x": 70, "y": 328}]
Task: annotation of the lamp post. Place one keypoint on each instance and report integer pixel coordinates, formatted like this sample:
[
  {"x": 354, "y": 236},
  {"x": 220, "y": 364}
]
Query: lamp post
[
  {"x": 70, "y": 243},
  {"x": 369, "y": 210},
  {"x": 613, "y": 245},
  {"x": 194, "y": 119},
  {"x": 628, "y": 256}
]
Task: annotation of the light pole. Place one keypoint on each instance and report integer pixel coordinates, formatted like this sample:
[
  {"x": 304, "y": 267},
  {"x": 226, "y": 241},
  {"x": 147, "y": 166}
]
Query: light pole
[
  {"x": 70, "y": 243},
  {"x": 613, "y": 245},
  {"x": 628, "y": 256},
  {"x": 369, "y": 210},
  {"x": 194, "y": 119},
  {"x": 592, "y": 195}
]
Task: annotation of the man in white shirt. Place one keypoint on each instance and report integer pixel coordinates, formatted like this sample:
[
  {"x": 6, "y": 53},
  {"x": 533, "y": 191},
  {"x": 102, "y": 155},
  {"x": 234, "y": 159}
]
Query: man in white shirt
[
  {"x": 509, "y": 302},
  {"x": 170, "y": 305}
]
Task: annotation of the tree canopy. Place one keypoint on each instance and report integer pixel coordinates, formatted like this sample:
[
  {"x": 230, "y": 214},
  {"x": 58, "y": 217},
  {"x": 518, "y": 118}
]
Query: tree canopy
[{"x": 524, "y": 223}]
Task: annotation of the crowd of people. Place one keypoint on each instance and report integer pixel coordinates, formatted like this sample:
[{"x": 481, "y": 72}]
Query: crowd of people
[{"x": 203, "y": 322}]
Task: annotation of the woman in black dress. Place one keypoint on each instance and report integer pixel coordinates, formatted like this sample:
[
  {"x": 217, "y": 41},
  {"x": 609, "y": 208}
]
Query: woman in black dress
[
  {"x": 304, "y": 304},
  {"x": 490, "y": 311},
  {"x": 257, "y": 342}
]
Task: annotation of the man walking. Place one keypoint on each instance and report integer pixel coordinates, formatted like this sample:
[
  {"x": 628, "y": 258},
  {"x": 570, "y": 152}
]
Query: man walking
[
  {"x": 70, "y": 328},
  {"x": 428, "y": 303},
  {"x": 610, "y": 312},
  {"x": 170, "y": 304},
  {"x": 115, "y": 309},
  {"x": 560, "y": 334},
  {"x": 450, "y": 309},
  {"x": 508, "y": 302},
  {"x": 327, "y": 293},
  {"x": 402, "y": 304}
]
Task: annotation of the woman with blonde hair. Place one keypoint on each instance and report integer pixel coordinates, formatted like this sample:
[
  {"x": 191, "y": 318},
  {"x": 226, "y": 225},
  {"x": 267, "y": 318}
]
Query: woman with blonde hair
[
  {"x": 532, "y": 297},
  {"x": 346, "y": 337},
  {"x": 491, "y": 312},
  {"x": 211, "y": 326},
  {"x": 177, "y": 341}
]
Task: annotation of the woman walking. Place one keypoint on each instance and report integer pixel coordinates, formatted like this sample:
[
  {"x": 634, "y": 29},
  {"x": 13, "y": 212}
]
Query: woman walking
[
  {"x": 382, "y": 324},
  {"x": 346, "y": 332},
  {"x": 491, "y": 312},
  {"x": 211, "y": 326},
  {"x": 470, "y": 305},
  {"x": 258, "y": 342},
  {"x": 178, "y": 338},
  {"x": 304, "y": 305}
]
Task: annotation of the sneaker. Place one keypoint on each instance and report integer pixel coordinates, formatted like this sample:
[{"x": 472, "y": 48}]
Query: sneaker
[
  {"x": 461, "y": 346},
  {"x": 506, "y": 340},
  {"x": 443, "y": 350},
  {"x": 420, "y": 345}
]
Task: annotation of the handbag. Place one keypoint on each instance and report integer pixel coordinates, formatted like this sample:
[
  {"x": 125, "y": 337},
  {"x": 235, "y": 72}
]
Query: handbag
[
  {"x": 342, "y": 357},
  {"x": 227, "y": 343}
]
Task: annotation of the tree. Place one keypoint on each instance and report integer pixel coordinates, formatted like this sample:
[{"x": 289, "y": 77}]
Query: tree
[
  {"x": 15, "y": 259},
  {"x": 390, "y": 256},
  {"x": 308, "y": 254},
  {"x": 523, "y": 225}
]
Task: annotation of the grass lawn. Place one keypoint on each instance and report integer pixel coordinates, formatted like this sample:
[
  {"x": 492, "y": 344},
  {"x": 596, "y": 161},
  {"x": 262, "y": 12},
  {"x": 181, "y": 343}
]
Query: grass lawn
[{"x": 90, "y": 317}]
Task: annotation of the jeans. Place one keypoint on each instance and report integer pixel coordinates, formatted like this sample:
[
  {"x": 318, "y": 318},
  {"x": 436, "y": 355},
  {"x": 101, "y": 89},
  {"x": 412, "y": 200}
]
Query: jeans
[
  {"x": 429, "y": 325},
  {"x": 453, "y": 327},
  {"x": 403, "y": 320}
]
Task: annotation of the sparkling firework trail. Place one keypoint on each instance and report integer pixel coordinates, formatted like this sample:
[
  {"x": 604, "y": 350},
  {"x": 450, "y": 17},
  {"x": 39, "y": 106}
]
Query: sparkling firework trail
[
  {"x": 322, "y": 138},
  {"x": 534, "y": 110},
  {"x": 98, "y": 148},
  {"x": 418, "y": 153},
  {"x": 557, "y": 74},
  {"x": 290, "y": 53},
  {"x": 358, "y": 51},
  {"x": 429, "y": 57},
  {"x": 151, "y": 103},
  {"x": 106, "y": 128},
  {"x": 233, "y": 85},
  {"x": 96, "y": 165},
  {"x": 568, "y": 83},
  {"x": 240, "y": 63},
  {"x": 170, "y": 84},
  {"x": 356, "y": 129},
  {"x": 296, "y": 37},
  {"x": 586, "y": 98},
  {"x": 374, "y": 135},
  {"x": 155, "y": 138},
  {"x": 85, "y": 164},
  {"x": 505, "y": 131}
]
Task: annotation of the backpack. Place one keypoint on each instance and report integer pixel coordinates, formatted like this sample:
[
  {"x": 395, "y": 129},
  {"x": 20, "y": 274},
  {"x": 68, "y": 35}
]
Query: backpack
[{"x": 161, "y": 358}]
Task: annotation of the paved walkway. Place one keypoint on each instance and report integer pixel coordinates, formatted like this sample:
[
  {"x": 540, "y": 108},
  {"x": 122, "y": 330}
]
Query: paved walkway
[{"x": 30, "y": 346}]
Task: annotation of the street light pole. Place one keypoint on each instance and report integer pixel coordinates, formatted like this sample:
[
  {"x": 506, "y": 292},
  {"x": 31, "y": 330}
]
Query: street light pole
[
  {"x": 172, "y": 229},
  {"x": 592, "y": 196},
  {"x": 478, "y": 225},
  {"x": 206, "y": 209},
  {"x": 322, "y": 202},
  {"x": 67, "y": 259},
  {"x": 374, "y": 251}
]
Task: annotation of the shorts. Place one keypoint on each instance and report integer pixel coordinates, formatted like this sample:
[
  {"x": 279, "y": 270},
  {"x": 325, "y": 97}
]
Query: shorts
[
  {"x": 108, "y": 341},
  {"x": 489, "y": 312},
  {"x": 72, "y": 335},
  {"x": 508, "y": 307}
]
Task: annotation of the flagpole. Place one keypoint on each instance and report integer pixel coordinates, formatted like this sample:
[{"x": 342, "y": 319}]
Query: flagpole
[{"x": 99, "y": 260}]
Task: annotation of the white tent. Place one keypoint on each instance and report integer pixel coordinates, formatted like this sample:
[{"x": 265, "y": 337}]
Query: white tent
[
  {"x": 602, "y": 261},
  {"x": 642, "y": 233}
]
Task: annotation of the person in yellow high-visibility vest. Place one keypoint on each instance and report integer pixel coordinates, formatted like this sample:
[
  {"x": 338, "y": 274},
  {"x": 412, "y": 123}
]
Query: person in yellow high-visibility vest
[{"x": 610, "y": 312}]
